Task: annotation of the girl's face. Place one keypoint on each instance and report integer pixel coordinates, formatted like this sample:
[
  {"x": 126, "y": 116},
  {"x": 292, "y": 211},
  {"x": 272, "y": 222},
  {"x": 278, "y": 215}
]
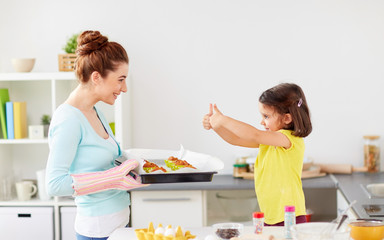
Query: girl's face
[
  {"x": 113, "y": 84},
  {"x": 271, "y": 120}
]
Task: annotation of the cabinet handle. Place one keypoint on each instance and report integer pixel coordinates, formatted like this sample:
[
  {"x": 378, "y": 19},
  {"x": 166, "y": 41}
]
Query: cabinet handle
[
  {"x": 24, "y": 215},
  {"x": 165, "y": 199}
]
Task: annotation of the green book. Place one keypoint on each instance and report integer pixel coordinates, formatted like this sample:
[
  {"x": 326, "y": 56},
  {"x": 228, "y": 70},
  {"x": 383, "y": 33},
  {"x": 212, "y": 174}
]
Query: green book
[{"x": 4, "y": 97}]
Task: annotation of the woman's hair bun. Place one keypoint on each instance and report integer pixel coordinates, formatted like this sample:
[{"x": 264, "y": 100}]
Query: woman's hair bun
[{"x": 90, "y": 41}]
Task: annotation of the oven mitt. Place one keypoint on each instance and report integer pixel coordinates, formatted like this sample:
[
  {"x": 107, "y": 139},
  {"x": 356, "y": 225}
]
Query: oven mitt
[{"x": 121, "y": 177}]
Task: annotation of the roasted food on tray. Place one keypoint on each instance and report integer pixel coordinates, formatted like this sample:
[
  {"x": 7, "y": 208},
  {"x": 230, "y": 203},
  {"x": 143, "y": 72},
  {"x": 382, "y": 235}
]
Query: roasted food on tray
[
  {"x": 175, "y": 164},
  {"x": 149, "y": 167}
]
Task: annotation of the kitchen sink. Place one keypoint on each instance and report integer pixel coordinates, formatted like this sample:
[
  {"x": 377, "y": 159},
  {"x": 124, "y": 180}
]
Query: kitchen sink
[{"x": 375, "y": 190}]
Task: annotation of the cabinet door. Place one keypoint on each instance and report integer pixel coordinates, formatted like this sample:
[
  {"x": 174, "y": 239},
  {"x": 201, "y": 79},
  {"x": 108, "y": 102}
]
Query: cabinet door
[
  {"x": 176, "y": 208},
  {"x": 67, "y": 223},
  {"x": 342, "y": 205}
]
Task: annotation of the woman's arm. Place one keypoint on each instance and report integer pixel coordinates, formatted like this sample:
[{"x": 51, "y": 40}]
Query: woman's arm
[{"x": 64, "y": 139}]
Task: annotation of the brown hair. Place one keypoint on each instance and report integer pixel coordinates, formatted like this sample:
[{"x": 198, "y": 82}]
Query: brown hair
[
  {"x": 95, "y": 53},
  {"x": 290, "y": 98}
]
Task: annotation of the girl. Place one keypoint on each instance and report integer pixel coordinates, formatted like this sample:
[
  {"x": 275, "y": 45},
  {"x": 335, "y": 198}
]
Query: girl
[
  {"x": 278, "y": 166},
  {"x": 82, "y": 146}
]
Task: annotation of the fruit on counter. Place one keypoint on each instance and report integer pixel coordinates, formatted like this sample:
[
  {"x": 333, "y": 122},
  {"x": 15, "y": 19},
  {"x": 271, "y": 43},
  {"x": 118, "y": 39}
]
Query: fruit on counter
[
  {"x": 150, "y": 233},
  {"x": 149, "y": 167},
  {"x": 175, "y": 164}
]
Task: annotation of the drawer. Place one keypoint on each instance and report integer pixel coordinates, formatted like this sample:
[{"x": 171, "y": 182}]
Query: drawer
[
  {"x": 20, "y": 223},
  {"x": 176, "y": 208}
]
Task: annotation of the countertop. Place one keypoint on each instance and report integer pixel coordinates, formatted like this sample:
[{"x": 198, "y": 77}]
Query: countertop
[
  {"x": 228, "y": 182},
  {"x": 351, "y": 188},
  {"x": 348, "y": 184},
  {"x": 201, "y": 233}
]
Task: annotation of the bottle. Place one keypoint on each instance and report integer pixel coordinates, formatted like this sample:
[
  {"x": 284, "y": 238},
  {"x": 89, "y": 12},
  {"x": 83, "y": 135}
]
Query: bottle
[
  {"x": 372, "y": 153},
  {"x": 289, "y": 220},
  {"x": 258, "y": 222}
]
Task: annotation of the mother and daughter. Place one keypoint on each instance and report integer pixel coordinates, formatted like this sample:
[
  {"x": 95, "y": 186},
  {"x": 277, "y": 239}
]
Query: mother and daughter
[{"x": 83, "y": 147}]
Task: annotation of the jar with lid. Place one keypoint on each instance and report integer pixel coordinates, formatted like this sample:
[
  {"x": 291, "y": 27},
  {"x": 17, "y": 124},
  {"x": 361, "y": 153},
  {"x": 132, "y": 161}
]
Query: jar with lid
[
  {"x": 238, "y": 169},
  {"x": 289, "y": 220},
  {"x": 372, "y": 153},
  {"x": 258, "y": 222}
]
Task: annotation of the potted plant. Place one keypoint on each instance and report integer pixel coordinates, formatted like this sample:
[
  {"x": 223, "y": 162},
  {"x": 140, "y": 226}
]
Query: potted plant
[
  {"x": 67, "y": 61},
  {"x": 45, "y": 121}
]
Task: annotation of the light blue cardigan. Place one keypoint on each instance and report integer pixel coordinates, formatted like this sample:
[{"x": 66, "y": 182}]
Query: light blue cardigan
[{"x": 76, "y": 148}]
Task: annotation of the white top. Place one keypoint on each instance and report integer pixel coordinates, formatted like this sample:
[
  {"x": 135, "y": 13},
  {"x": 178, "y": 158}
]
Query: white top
[
  {"x": 110, "y": 139},
  {"x": 101, "y": 226}
]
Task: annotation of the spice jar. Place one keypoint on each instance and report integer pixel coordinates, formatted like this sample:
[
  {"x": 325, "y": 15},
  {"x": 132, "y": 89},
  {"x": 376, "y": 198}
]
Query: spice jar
[
  {"x": 258, "y": 222},
  {"x": 238, "y": 169},
  {"x": 289, "y": 220},
  {"x": 372, "y": 153}
]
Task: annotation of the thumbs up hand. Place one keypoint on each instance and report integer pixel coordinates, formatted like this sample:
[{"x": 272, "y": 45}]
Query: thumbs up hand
[{"x": 211, "y": 115}]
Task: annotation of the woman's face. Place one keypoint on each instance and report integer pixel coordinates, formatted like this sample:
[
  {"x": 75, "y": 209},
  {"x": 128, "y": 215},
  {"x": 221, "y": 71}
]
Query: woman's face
[{"x": 113, "y": 84}]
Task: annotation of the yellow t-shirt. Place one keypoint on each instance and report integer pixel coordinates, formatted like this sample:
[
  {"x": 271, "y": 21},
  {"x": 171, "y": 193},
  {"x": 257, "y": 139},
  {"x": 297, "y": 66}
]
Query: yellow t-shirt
[{"x": 278, "y": 178}]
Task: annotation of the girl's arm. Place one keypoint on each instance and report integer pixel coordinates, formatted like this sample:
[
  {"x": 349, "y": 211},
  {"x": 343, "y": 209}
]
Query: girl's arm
[{"x": 242, "y": 134}]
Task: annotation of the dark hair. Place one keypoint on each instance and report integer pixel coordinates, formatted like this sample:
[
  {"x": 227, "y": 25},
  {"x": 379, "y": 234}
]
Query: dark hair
[
  {"x": 290, "y": 98},
  {"x": 95, "y": 53}
]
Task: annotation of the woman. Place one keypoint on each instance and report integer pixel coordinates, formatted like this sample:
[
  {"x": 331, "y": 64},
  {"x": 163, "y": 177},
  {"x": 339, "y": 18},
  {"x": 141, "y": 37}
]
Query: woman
[{"x": 82, "y": 146}]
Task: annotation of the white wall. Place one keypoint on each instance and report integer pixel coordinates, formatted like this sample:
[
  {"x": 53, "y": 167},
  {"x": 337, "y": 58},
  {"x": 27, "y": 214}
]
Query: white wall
[{"x": 187, "y": 54}]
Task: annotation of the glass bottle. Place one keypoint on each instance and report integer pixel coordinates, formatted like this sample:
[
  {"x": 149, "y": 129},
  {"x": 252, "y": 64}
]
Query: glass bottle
[
  {"x": 289, "y": 220},
  {"x": 372, "y": 153},
  {"x": 258, "y": 222}
]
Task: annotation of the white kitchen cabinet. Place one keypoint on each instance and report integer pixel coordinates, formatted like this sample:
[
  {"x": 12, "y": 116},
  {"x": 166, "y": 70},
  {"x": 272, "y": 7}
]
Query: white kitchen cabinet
[
  {"x": 20, "y": 223},
  {"x": 342, "y": 205},
  {"x": 67, "y": 223},
  {"x": 176, "y": 208},
  {"x": 44, "y": 92}
]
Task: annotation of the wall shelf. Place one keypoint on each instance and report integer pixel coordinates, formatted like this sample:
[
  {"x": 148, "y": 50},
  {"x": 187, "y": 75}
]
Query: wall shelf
[
  {"x": 24, "y": 141},
  {"x": 44, "y": 92}
]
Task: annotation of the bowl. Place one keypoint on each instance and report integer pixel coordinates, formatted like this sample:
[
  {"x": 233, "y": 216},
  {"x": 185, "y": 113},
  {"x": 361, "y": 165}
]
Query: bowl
[
  {"x": 319, "y": 230},
  {"x": 227, "y": 231},
  {"x": 367, "y": 230},
  {"x": 23, "y": 64}
]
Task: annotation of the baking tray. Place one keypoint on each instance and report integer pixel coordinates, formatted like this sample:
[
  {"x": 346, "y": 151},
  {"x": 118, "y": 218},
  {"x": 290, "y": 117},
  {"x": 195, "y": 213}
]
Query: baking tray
[
  {"x": 205, "y": 166},
  {"x": 177, "y": 177}
]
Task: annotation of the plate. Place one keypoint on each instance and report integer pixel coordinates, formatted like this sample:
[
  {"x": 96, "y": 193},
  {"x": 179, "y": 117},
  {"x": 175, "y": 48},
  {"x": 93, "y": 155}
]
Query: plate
[{"x": 205, "y": 165}]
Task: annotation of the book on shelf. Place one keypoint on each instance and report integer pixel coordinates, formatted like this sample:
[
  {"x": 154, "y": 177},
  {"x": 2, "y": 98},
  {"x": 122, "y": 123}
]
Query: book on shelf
[
  {"x": 10, "y": 121},
  {"x": 4, "y": 97},
  {"x": 20, "y": 119}
]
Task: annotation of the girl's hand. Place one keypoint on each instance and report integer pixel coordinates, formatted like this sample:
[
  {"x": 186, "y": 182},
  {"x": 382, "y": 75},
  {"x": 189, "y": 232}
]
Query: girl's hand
[
  {"x": 207, "y": 118},
  {"x": 212, "y": 117},
  {"x": 216, "y": 116}
]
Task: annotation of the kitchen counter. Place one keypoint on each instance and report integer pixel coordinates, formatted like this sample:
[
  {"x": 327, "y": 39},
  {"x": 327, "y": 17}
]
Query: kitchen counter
[
  {"x": 348, "y": 184},
  {"x": 228, "y": 182},
  {"x": 201, "y": 233},
  {"x": 351, "y": 187}
]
